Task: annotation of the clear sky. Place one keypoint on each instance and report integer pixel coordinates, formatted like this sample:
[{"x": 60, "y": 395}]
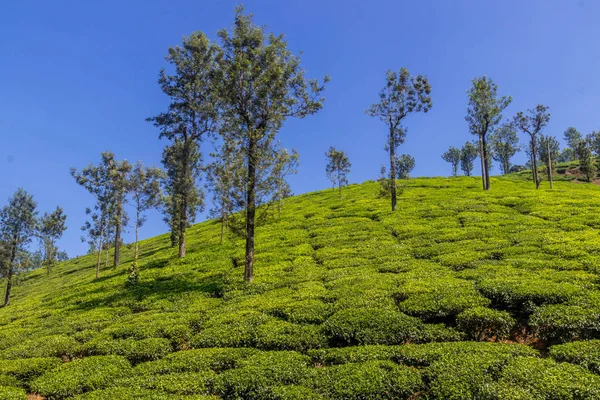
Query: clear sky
[{"x": 79, "y": 77}]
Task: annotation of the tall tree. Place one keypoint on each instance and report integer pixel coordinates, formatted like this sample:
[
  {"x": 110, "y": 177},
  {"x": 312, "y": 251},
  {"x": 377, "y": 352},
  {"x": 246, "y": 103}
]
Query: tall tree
[
  {"x": 144, "y": 188},
  {"x": 119, "y": 182},
  {"x": 484, "y": 112},
  {"x": 549, "y": 151},
  {"x": 586, "y": 158},
  {"x": 468, "y": 154},
  {"x": 403, "y": 94},
  {"x": 262, "y": 84},
  {"x": 532, "y": 124},
  {"x": 17, "y": 227},
  {"x": 191, "y": 116},
  {"x": 337, "y": 168},
  {"x": 405, "y": 164},
  {"x": 572, "y": 137},
  {"x": 452, "y": 156},
  {"x": 51, "y": 228},
  {"x": 505, "y": 144},
  {"x": 286, "y": 163},
  {"x": 97, "y": 181}
]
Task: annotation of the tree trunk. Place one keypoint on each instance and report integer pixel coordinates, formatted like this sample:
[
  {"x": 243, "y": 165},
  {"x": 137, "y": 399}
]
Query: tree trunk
[
  {"x": 117, "y": 255},
  {"x": 222, "y": 225},
  {"x": 137, "y": 228},
  {"x": 183, "y": 213},
  {"x": 482, "y": 163},
  {"x": 486, "y": 163},
  {"x": 99, "y": 252},
  {"x": 534, "y": 159},
  {"x": 250, "y": 208},
  {"x": 549, "y": 164},
  {"x": 392, "y": 169},
  {"x": 13, "y": 256},
  {"x": 506, "y": 167}
]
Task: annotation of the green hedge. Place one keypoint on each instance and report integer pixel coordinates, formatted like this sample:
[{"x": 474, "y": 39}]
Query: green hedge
[
  {"x": 45, "y": 346},
  {"x": 135, "y": 351},
  {"x": 81, "y": 375},
  {"x": 120, "y": 393},
  {"x": 482, "y": 323},
  {"x": 176, "y": 383},
  {"x": 585, "y": 353},
  {"x": 12, "y": 393},
  {"x": 28, "y": 368},
  {"x": 368, "y": 380},
  {"x": 565, "y": 322}
]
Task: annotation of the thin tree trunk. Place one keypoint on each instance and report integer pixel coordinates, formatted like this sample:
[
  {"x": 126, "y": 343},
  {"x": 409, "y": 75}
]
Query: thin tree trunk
[
  {"x": 137, "y": 226},
  {"x": 107, "y": 253},
  {"x": 549, "y": 164},
  {"x": 222, "y": 226},
  {"x": 250, "y": 209},
  {"x": 535, "y": 169},
  {"x": 482, "y": 163},
  {"x": 99, "y": 252},
  {"x": 183, "y": 215},
  {"x": 392, "y": 169},
  {"x": 486, "y": 163},
  {"x": 117, "y": 255},
  {"x": 13, "y": 256}
]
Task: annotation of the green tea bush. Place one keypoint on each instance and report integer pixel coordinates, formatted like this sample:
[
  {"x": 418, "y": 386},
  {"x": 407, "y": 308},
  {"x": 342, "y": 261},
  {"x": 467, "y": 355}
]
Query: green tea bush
[
  {"x": 81, "y": 375},
  {"x": 282, "y": 335},
  {"x": 563, "y": 322},
  {"x": 12, "y": 393},
  {"x": 585, "y": 353},
  {"x": 237, "y": 329},
  {"x": 482, "y": 323},
  {"x": 28, "y": 368},
  {"x": 368, "y": 380},
  {"x": 129, "y": 393},
  {"x": 136, "y": 351},
  {"x": 10, "y": 381},
  {"x": 292, "y": 392},
  {"x": 177, "y": 383},
  {"x": 45, "y": 346},
  {"x": 372, "y": 326}
]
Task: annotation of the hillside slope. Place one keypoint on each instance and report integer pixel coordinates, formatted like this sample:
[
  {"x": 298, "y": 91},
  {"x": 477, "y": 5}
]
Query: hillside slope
[{"x": 459, "y": 294}]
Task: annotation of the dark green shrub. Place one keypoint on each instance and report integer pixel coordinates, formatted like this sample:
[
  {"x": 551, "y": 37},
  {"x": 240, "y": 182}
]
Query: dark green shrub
[
  {"x": 135, "y": 351},
  {"x": 230, "y": 329},
  {"x": 282, "y": 335},
  {"x": 216, "y": 359},
  {"x": 564, "y": 322},
  {"x": 482, "y": 323},
  {"x": 81, "y": 375},
  {"x": 372, "y": 326},
  {"x": 12, "y": 393},
  {"x": 292, "y": 392},
  {"x": 28, "y": 368},
  {"x": 256, "y": 374},
  {"x": 548, "y": 380},
  {"x": 585, "y": 353},
  {"x": 121, "y": 393},
  {"x": 177, "y": 383},
  {"x": 10, "y": 381},
  {"x": 368, "y": 380}
]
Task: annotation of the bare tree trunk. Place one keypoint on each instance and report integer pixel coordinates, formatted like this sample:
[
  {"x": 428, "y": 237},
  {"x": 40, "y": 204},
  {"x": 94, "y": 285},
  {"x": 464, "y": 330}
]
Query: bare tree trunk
[
  {"x": 549, "y": 164},
  {"x": 183, "y": 216},
  {"x": 137, "y": 228},
  {"x": 117, "y": 255},
  {"x": 486, "y": 163},
  {"x": 222, "y": 226},
  {"x": 250, "y": 209},
  {"x": 107, "y": 253},
  {"x": 392, "y": 169},
  {"x": 534, "y": 159},
  {"x": 13, "y": 256},
  {"x": 99, "y": 252},
  {"x": 482, "y": 163}
]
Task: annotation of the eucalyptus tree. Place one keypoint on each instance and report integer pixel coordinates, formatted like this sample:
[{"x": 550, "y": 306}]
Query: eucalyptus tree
[
  {"x": 504, "y": 142},
  {"x": 51, "y": 228},
  {"x": 532, "y": 124},
  {"x": 119, "y": 183},
  {"x": 337, "y": 168},
  {"x": 192, "y": 116},
  {"x": 18, "y": 226},
  {"x": 405, "y": 164},
  {"x": 402, "y": 95},
  {"x": 97, "y": 180},
  {"x": 145, "y": 191},
  {"x": 452, "y": 156},
  {"x": 261, "y": 85},
  {"x": 549, "y": 151},
  {"x": 484, "y": 112},
  {"x": 468, "y": 154},
  {"x": 572, "y": 137},
  {"x": 286, "y": 163},
  {"x": 585, "y": 156}
]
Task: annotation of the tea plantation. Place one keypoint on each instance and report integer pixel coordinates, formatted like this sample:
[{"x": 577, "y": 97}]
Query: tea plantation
[{"x": 460, "y": 294}]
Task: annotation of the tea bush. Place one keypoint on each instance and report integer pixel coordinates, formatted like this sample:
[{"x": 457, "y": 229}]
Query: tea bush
[
  {"x": 585, "y": 353},
  {"x": 481, "y": 323}
]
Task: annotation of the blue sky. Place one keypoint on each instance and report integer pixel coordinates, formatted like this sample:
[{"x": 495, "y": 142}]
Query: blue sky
[{"x": 79, "y": 77}]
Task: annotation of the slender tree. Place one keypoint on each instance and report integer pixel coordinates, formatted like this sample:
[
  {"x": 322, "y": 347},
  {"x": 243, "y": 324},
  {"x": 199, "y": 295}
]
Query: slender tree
[
  {"x": 403, "y": 94},
  {"x": 505, "y": 144},
  {"x": 586, "y": 158},
  {"x": 337, "y": 168},
  {"x": 468, "y": 154},
  {"x": 452, "y": 156},
  {"x": 51, "y": 228},
  {"x": 572, "y": 137},
  {"x": 548, "y": 154},
  {"x": 192, "y": 115},
  {"x": 405, "y": 164},
  {"x": 532, "y": 124},
  {"x": 483, "y": 114},
  {"x": 261, "y": 85},
  {"x": 144, "y": 188},
  {"x": 97, "y": 181},
  {"x": 286, "y": 163},
  {"x": 119, "y": 182},
  {"x": 17, "y": 228}
]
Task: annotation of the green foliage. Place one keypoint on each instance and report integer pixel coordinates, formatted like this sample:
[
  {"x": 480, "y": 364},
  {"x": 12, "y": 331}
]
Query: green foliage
[
  {"x": 453, "y": 157},
  {"x": 135, "y": 351},
  {"x": 585, "y": 353},
  {"x": 12, "y": 393},
  {"x": 28, "y": 368},
  {"x": 44, "y": 346},
  {"x": 482, "y": 323},
  {"x": 80, "y": 376}
]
